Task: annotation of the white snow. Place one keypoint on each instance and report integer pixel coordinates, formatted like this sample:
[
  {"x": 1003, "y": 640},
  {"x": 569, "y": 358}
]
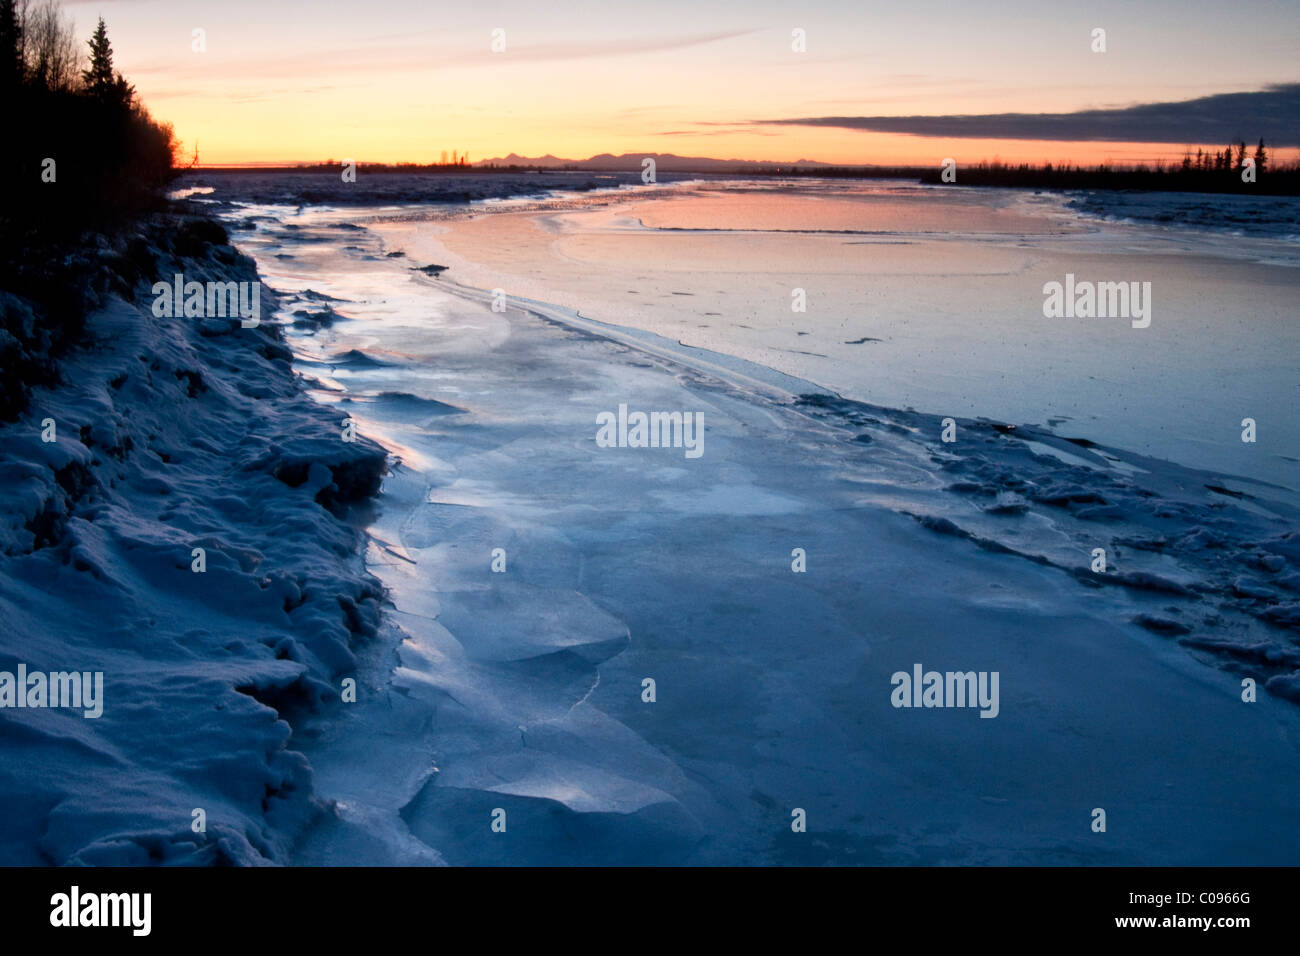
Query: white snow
[{"x": 171, "y": 435}]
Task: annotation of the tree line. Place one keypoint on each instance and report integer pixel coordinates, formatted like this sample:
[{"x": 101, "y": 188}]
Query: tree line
[
  {"x": 88, "y": 153},
  {"x": 88, "y": 160},
  {"x": 1219, "y": 161},
  {"x": 1210, "y": 171}
]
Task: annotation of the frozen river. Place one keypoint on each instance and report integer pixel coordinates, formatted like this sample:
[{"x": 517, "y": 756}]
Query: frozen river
[{"x": 827, "y": 539}]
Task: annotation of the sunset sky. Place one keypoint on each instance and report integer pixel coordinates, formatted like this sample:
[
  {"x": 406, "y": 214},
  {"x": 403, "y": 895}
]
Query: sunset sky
[{"x": 403, "y": 80}]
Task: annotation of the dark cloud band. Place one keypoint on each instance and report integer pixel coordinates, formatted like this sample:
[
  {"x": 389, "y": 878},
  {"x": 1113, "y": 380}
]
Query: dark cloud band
[{"x": 1273, "y": 113}]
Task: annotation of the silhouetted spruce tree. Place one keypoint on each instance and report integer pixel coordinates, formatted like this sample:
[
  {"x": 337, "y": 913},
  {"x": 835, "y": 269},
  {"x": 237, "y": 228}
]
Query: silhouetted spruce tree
[
  {"x": 98, "y": 77},
  {"x": 1261, "y": 157}
]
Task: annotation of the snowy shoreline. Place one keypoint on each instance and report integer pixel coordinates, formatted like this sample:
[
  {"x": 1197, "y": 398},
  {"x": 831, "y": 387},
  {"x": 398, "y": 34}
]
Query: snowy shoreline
[{"x": 171, "y": 438}]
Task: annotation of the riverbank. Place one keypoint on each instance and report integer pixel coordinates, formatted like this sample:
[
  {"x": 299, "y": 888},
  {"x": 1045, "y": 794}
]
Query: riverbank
[{"x": 175, "y": 522}]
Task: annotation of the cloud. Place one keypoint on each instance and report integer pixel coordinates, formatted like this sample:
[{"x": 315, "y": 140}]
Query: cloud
[
  {"x": 384, "y": 60},
  {"x": 1272, "y": 113},
  {"x": 621, "y": 47}
]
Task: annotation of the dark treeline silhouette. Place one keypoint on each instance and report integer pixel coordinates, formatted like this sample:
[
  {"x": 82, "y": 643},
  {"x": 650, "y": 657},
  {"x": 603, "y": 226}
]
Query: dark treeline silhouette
[
  {"x": 87, "y": 152},
  {"x": 1205, "y": 171},
  {"x": 86, "y": 160},
  {"x": 1208, "y": 172}
]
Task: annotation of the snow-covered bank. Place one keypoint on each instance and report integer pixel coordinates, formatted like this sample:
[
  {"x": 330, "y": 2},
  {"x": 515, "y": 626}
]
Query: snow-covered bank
[{"x": 169, "y": 435}]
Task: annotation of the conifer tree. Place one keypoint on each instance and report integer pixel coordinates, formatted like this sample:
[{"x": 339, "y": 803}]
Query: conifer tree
[{"x": 98, "y": 77}]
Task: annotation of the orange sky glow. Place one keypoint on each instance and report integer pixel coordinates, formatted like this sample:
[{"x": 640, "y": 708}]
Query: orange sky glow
[{"x": 403, "y": 81}]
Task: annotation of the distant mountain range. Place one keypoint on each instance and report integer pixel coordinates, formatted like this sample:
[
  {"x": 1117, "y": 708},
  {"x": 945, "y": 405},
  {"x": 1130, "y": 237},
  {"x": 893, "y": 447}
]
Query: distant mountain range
[{"x": 667, "y": 162}]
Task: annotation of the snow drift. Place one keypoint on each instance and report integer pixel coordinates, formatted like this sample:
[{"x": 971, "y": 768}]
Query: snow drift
[{"x": 166, "y": 436}]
